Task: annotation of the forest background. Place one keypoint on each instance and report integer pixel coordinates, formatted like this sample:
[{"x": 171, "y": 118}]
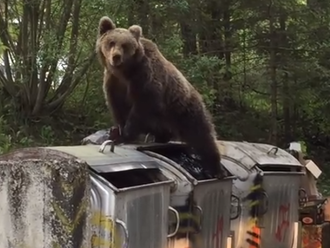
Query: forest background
[{"x": 262, "y": 67}]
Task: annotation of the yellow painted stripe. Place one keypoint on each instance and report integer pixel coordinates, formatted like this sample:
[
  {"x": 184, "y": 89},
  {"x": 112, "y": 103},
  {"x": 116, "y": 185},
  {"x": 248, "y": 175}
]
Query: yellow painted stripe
[
  {"x": 255, "y": 187},
  {"x": 102, "y": 221}
]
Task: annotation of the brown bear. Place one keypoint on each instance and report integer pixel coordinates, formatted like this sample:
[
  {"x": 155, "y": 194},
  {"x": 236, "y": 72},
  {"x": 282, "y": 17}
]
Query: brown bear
[
  {"x": 154, "y": 94},
  {"x": 115, "y": 86}
]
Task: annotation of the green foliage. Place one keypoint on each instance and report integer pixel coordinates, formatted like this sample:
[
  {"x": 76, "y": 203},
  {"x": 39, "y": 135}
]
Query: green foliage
[
  {"x": 262, "y": 69},
  {"x": 5, "y": 139},
  {"x": 303, "y": 147},
  {"x": 324, "y": 185}
]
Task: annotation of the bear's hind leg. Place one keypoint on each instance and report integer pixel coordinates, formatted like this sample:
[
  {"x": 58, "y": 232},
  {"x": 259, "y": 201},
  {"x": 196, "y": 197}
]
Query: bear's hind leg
[
  {"x": 198, "y": 134},
  {"x": 209, "y": 153}
]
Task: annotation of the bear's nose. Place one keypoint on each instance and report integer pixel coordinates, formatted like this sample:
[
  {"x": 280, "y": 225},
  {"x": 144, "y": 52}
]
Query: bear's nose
[{"x": 116, "y": 58}]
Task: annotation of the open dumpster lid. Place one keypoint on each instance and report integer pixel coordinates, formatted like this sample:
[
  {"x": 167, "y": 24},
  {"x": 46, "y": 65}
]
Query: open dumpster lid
[
  {"x": 252, "y": 154},
  {"x": 103, "y": 162},
  {"x": 247, "y": 154}
]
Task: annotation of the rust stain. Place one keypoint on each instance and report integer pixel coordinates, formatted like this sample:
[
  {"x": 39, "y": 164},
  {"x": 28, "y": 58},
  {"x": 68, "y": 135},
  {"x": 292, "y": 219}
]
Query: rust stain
[{"x": 312, "y": 236}]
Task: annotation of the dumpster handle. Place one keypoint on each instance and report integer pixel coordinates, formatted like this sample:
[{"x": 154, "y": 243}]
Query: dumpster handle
[
  {"x": 124, "y": 227},
  {"x": 105, "y": 143},
  {"x": 266, "y": 201},
  {"x": 302, "y": 190},
  {"x": 303, "y": 198},
  {"x": 239, "y": 207},
  {"x": 201, "y": 216},
  {"x": 177, "y": 222},
  {"x": 273, "y": 149}
]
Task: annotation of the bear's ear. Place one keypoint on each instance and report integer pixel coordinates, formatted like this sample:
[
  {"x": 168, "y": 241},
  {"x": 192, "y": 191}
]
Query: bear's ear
[
  {"x": 136, "y": 31},
  {"x": 105, "y": 25}
]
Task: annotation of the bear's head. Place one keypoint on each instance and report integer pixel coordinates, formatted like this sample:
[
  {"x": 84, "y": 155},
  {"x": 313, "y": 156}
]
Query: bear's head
[{"x": 118, "y": 46}]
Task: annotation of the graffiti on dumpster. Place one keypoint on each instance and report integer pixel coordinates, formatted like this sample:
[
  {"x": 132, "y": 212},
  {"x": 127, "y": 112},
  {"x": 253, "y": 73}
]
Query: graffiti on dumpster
[
  {"x": 217, "y": 236},
  {"x": 284, "y": 222},
  {"x": 189, "y": 220},
  {"x": 311, "y": 236},
  {"x": 253, "y": 234},
  {"x": 104, "y": 227},
  {"x": 255, "y": 196},
  {"x": 104, "y": 232}
]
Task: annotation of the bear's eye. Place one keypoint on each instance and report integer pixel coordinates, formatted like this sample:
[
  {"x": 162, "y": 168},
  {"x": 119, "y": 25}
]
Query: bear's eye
[
  {"x": 112, "y": 44},
  {"x": 124, "y": 46}
]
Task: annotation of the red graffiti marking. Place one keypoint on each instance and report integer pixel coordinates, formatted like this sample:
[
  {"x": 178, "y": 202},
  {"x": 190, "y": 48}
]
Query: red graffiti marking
[
  {"x": 283, "y": 221},
  {"x": 218, "y": 233}
]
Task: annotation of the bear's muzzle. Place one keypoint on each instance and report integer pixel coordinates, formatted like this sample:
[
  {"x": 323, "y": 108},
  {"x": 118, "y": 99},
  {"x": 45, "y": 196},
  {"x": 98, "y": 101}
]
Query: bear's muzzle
[{"x": 116, "y": 60}]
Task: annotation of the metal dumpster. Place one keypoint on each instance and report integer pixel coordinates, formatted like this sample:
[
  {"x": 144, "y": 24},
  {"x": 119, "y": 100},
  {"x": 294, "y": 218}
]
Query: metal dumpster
[
  {"x": 203, "y": 204},
  {"x": 277, "y": 222},
  {"x": 130, "y": 197}
]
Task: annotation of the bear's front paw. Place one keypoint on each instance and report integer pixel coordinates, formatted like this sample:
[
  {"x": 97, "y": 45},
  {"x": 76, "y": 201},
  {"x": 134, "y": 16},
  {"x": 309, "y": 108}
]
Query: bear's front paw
[{"x": 115, "y": 134}]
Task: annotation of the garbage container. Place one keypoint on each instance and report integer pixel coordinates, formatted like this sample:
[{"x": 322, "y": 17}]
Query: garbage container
[
  {"x": 130, "y": 197},
  {"x": 277, "y": 217},
  {"x": 204, "y": 204}
]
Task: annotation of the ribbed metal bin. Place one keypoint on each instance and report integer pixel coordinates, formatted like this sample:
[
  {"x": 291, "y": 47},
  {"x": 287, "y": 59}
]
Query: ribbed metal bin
[{"x": 277, "y": 220}]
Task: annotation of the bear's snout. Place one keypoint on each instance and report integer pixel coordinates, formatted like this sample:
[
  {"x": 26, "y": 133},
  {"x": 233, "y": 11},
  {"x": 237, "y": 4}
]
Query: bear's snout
[{"x": 116, "y": 59}]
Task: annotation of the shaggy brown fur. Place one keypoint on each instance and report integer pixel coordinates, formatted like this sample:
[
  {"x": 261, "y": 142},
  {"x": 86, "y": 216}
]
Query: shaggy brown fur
[
  {"x": 115, "y": 85},
  {"x": 162, "y": 99}
]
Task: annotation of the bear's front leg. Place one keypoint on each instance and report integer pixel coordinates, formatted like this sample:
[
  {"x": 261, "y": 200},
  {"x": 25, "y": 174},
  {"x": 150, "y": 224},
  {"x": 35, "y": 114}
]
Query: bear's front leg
[
  {"x": 132, "y": 128},
  {"x": 115, "y": 92}
]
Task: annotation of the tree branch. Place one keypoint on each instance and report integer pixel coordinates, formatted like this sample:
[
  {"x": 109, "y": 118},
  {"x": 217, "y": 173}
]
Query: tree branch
[
  {"x": 78, "y": 76},
  {"x": 71, "y": 66},
  {"x": 59, "y": 39}
]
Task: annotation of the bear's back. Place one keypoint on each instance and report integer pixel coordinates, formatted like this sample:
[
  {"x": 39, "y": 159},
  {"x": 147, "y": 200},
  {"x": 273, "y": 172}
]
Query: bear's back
[{"x": 173, "y": 81}]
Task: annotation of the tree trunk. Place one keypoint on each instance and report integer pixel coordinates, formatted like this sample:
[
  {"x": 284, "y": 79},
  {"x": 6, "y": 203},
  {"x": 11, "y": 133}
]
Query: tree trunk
[
  {"x": 142, "y": 18},
  {"x": 273, "y": 83},
  {"x": 227, "y": 40},
  {"x": 188, "y": 37},
  {"x": 286, "y": 88}
]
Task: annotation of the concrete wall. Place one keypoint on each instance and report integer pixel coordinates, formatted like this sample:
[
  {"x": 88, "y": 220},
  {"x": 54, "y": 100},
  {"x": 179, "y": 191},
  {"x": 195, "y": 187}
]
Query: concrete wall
[{"x": 44, "y": 200}]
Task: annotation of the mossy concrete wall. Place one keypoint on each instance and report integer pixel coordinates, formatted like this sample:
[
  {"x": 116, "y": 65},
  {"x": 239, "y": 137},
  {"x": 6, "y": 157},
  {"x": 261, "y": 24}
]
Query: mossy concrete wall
[{"x": 44, "y": 200}]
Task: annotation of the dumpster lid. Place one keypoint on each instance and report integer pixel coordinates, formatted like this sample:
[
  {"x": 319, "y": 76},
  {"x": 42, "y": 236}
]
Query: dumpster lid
[
  {"x": 120, "y": 160},
  {"x": 252, "y": 154},
  {"x": 180, "y": 156}
]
